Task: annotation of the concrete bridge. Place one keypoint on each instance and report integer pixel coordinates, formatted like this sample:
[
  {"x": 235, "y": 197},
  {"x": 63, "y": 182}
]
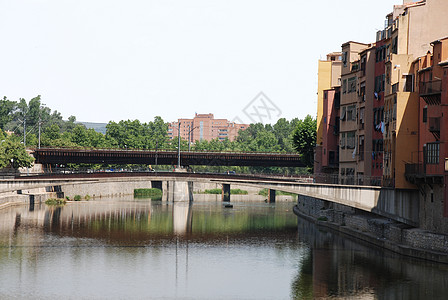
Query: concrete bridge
[{"x": 399, "y": 205}]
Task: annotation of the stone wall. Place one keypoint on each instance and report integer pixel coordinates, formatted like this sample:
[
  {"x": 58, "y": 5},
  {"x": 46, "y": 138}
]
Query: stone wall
[
  {"x": 107, "y": 188},
  {"x": 382, "y": 231},
  {"x": 432, "y": 208}
]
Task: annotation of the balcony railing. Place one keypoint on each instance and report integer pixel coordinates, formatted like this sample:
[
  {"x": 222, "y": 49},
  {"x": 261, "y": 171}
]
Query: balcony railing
[
  {"x": 395, "y": 88},
  {"x": 434, "y": 124},
  {"x": 430, "y": 87},
  {"x": 431, "y": 91},
  {"x": 424, "y": 172}
]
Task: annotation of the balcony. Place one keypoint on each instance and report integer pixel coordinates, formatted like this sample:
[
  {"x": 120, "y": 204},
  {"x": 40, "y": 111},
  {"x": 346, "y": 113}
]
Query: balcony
[
  {"x": 434, "y": 127},
  {"x": 431, "y": 91},
  {"x": 427, "y": 166},
  {"x": 355, "y": 67},
  {"x": 424, "y": 173},
  {"x": 395, "y": 88}
]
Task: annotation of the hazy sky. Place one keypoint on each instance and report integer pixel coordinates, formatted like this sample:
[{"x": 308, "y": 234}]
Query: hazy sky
[{"x": 103, "y": 60}]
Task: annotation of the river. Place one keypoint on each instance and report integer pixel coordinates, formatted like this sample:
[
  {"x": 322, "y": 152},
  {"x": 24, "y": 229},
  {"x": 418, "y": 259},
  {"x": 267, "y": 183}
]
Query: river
[{"x": 142, "y": 249}]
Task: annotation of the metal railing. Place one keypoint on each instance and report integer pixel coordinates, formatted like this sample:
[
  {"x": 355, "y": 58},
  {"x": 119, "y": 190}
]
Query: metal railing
[{"x": 430, "y": 87}]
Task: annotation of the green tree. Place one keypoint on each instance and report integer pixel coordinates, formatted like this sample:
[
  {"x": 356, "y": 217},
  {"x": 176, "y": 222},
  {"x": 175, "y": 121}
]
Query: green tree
[
  {"x": 13, "y": 154},
  {"x": 7, "y": 109},
  {"x": 304, "y": 139}
]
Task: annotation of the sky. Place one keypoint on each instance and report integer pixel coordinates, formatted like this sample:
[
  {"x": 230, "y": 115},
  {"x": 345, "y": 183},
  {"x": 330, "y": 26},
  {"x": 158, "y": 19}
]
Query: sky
[{"x": 243, "y": 60}]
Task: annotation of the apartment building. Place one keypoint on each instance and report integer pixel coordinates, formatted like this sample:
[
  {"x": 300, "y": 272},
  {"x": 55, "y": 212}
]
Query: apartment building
[
  {"x": 366, "y": 99},
  {"x": 205, "y": 127},
  {"x": 428, "y": 168},
  {"x": 348, "y": 137},
  {"x": 393, "y": 124},
  {"x": 326, "y": 162}
]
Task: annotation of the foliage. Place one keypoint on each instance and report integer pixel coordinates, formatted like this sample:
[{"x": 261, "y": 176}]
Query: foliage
[
  {"x": 149, "y": 193},
  {"x": 264, "y": 192},
  {"x": 135, "y": 135},
  {"x": 13, "y": 154},
  {"x": 304, "y": 139},
  {"x": 283, "y": 136},
  {"x": 53, "y": 201},
  {"x": 238, "y": 192},
  {"x": 232, "y": 192},
  {"x": 77, "y": 198}
]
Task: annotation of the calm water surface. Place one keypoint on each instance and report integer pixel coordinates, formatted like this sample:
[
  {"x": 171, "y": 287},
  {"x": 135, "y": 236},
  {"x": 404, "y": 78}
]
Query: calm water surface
[{"x": 126, "y": 248}]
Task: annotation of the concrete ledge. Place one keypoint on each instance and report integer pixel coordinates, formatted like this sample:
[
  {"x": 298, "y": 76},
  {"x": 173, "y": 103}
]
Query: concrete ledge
[{"x": 359, "y": 235}]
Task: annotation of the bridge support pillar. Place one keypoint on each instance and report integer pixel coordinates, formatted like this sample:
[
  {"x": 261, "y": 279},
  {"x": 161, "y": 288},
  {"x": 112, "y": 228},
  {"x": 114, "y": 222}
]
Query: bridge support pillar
[
  {"x": 225, "y": 194},
  {"x": 164, "y": 190},
  {"x": 180, "y": 191},
  {"x": 271, "y": 195}
]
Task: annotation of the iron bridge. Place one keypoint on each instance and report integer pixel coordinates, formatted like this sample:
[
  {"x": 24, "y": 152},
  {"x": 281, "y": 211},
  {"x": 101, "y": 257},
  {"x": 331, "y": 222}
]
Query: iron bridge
[{"x": 151, "y": 157}]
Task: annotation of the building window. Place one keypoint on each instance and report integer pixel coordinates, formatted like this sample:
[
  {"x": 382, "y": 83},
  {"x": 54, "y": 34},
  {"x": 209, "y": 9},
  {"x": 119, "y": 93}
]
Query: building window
[
  {"x": 344, "y": 58},
  {"x": 351, "y": 140},
  {"x": 344, "y": 109},
  {"x": 432, "y": 153},
  {"x": 395, "y": 45},
  {"x": 380, "y": 83},
  {"x": 351, "y": 113},
  {"x": 351, "y": 85},
  {"x": 425, "y": 114},
  {"x": 342, "y": 142},
  {"x": 201, "y": 130},
  {"x": 344, "y": 86},
  {"x": 409, "y": 86}
]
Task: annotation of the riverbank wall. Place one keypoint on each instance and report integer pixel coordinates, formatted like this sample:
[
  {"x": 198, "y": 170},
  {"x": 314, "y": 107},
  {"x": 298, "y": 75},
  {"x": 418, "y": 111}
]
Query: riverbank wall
[
  {"x": 383, "y": 232},
  {"x": 29, "y": 197}
]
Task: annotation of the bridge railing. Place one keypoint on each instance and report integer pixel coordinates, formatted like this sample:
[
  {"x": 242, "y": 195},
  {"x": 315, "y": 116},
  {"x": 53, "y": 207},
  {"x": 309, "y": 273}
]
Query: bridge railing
[{"x": 160, "y": 150}]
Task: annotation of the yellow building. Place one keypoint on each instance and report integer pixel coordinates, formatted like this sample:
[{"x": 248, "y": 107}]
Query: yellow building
[{"x": 329, "y": 76}]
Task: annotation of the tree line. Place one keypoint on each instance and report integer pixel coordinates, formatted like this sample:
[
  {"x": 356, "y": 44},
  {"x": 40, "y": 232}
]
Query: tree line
[{"x": 34, "y": 124}]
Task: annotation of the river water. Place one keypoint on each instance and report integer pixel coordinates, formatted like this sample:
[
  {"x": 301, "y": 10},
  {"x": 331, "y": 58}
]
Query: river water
[{"x": 141, "y": 249}]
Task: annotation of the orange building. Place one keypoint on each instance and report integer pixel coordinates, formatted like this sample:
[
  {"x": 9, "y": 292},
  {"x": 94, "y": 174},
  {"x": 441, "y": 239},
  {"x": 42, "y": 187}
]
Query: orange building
[{"x": 205, "y": 127}]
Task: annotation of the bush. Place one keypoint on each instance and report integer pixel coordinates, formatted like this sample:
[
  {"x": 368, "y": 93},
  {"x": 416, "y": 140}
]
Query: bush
[
  {"x": 232, "y": 192},
  {"x": 264, "y": 192},
  {"x": 87, "y": 197},
  {"x": 53, "y": 201},
  {"x": 213, "y": 191},
  {"x": 238, "y": 192},
  {"x": 148, "y": 193},
  {"x": 77, "y": 198}
]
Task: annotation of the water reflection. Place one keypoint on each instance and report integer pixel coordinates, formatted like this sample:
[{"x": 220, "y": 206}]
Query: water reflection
[
  {"x": 144, "y": 249},
  {"x": 338, "y": 267}
]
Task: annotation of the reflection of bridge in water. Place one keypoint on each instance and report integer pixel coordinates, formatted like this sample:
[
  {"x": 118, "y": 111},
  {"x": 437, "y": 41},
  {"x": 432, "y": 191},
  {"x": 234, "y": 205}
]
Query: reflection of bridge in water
[{"x": 96, "y": 218}]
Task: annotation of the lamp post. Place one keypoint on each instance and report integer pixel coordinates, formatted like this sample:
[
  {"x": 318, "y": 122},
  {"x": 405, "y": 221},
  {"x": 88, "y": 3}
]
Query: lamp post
[
  {"x": 157, "y": 146},
  {"x": 178, "y": 147},
  {"x": 189, "y": 136},
  {"x": 40, "y": 120}
]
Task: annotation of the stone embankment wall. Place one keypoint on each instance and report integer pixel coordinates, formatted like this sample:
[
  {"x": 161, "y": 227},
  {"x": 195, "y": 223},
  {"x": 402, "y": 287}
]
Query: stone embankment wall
[
  {"x": 25, "y": 197},
  {"x": 384, "y": 232},
  {"x": 105, "y": 188}
]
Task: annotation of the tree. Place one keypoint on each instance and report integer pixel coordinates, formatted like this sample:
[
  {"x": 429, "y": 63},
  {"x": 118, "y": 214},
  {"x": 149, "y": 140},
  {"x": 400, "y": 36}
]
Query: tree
[
  {"x": 7, "y": 109},
  {"x": 13, "y": 154},
  {"x": 304, "y": 139}
]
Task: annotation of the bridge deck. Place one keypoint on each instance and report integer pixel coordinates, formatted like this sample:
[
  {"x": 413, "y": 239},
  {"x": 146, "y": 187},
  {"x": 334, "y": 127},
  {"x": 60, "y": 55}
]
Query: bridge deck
[{"x": 116, "y": 156}]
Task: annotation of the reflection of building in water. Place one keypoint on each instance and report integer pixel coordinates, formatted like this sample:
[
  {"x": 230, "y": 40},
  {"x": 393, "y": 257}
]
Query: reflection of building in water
[{"x": 341, "y": 268}]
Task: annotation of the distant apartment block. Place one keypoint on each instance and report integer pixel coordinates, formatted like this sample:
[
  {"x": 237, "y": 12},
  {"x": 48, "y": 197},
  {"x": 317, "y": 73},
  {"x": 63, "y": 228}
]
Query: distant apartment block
[{"x": 205, "y": 127}]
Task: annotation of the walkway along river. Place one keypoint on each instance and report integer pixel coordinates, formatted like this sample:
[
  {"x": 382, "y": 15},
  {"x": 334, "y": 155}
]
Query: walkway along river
[{"x": 138, "y": 248}]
